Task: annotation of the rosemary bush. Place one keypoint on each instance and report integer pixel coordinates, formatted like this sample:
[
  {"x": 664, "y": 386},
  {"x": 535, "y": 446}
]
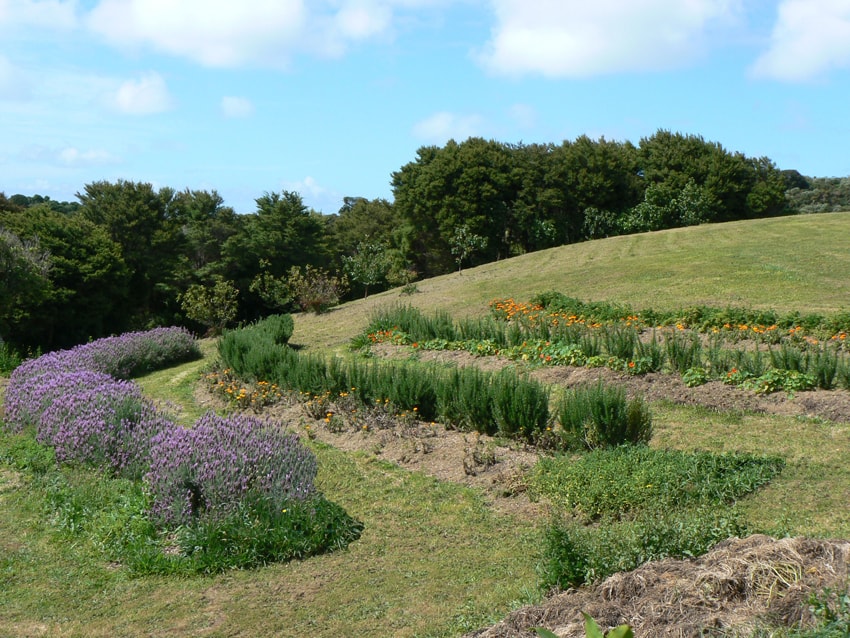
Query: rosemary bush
[{"x": 599, "y": 416}]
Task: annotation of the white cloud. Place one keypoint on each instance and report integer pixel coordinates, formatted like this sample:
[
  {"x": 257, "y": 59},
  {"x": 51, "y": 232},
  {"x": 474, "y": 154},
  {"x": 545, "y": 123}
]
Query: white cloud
[
  {"x": 144, "y": 96},
  {"x": 443, "y": 126},
  {"x": 576, "y": 38},
  {"x": 810, "y": 38},
  {"x": 14, "y": 84},
  {"x": 307, "y": 188},
  {"x": 45, "y": 14},
  {"x": 222, "y": 33},
  {"x": 236, "y": 107},
  {"x": 361, "y": 19},
  {"x": 71, "y": 156},
  {"x": 217, "y": 33},
  {"x": 68, "y": 156}
]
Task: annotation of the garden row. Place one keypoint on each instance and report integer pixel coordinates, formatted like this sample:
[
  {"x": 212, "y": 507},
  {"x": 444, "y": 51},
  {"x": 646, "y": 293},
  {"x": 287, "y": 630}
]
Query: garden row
[
  {"x": 233, "y": 491},
  {"x": 621, "y": 503},
  {"x": 792, "y": 363},
  {"x": 466, "y": 398},
  {"x": 738, "y": 322}
]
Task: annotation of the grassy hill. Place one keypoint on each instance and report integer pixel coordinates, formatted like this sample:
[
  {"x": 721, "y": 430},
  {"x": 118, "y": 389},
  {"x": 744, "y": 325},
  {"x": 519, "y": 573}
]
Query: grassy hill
[
  {"x": 434, "y": 559},
  {"x": 786, "y": 263}
]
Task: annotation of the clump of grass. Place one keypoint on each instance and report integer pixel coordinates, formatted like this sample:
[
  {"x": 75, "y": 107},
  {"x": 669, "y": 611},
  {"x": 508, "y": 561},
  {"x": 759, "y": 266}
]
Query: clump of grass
[
  {"x": 599, "y": 416},
  {"x": 645, "y": 504},
  {"x": 616, "y": 483}
]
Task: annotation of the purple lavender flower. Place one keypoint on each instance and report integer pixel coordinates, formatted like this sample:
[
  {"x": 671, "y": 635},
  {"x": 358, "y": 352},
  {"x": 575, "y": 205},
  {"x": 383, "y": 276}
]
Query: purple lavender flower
[{"x": 208, "y": 470}]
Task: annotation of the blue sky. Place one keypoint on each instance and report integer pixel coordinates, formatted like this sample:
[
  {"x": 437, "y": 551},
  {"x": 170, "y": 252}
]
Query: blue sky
[{"x": 329, "y": 97}]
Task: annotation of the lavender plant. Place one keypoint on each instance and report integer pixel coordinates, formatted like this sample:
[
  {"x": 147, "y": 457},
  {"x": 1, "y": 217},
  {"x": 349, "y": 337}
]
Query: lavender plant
[{"x": 206, "y": 472}]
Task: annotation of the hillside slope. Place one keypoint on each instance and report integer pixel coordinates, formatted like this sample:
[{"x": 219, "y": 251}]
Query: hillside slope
[{"x": 785, "y": 263}]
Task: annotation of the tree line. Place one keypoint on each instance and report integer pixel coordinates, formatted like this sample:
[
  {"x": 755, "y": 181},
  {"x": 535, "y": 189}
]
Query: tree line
[{"x": 129, "y": 256}]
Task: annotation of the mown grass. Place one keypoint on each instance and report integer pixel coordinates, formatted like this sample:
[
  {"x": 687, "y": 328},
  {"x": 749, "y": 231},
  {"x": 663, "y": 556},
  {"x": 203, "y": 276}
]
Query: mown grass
[
  {"x": 433, "y": 559},
  {"x": 809, "y": 497},
  {"x": 786, "y": 263}
]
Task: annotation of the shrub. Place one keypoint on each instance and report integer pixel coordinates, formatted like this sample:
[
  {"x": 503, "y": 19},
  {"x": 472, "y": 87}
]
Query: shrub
[
  {"x": 9, "y": 358},
  {"x": 601, "y": 416},
  {"x": 278, "y": 327},
  {"x": 208, "y": 471},
  {"x": 621, "y": 342},
  {"x": 464, "y": 400},
  {"x": 683, "y": 351},
  {"x": 106, "y": 424},
  {"x": 520, "y": 405},
  {"x": 257, "y": 533},
  {"x": 315, "y": 289},
  {"x": 125, "y": 356}
]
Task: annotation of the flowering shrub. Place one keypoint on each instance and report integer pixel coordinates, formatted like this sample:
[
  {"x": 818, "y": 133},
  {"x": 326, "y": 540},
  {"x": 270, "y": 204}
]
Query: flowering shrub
[
  {"x": 135, "y": 353},
  {"x": 236, "y": 492},
  {"x": 124, "y": 356},
  {"x": 206, "y": 472},
  {"x": 107, "y": 424}
]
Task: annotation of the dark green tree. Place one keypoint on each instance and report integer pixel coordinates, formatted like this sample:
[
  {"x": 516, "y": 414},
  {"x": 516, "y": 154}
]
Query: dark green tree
[
  {"x": 89, "y": 289},
  {"x": 148, "y": 228},
  {"x": 205, "y": 224},
  {"x": 473, "y": 183},
  {"x": 282, "y": 234},
  {"x": 24, "y": 283},
  {"x": 360, "y": 219}
]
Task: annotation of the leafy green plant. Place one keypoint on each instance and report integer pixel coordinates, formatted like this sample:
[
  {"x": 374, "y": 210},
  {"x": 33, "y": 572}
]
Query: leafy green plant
[
  {"x": 601, "y": 416},
  {"x": 575, "y": 555},
  {"x": 616, "y": 483},
  {"x": 9, "y": 358},
  {"x": 592, "y": 630},
  {"x": 693, "y": 377},
  {"x": 520, "y": 405}
]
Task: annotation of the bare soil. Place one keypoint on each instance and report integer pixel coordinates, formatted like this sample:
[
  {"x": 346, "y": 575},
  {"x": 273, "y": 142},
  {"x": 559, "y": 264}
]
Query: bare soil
[{"x": 740, "y": 583}]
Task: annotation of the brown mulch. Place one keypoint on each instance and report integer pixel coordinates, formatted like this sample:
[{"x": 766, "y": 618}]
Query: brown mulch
[{"x": 738, "y": 585}]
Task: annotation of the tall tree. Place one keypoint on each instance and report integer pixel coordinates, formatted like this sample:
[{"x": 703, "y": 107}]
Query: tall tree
[
  {"x": 282, "y": 234},
  {"x": 473, "y": 184},
  {"x": 89, "y": 281},
  {"x": 24, "y": 283},
  {"x": 147, "y": 226}
]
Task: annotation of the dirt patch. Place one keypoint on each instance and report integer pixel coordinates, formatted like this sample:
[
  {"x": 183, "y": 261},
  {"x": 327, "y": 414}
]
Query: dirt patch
[
  {"x": 738, "y": 585},
  {"x": 479, "y": 461}
]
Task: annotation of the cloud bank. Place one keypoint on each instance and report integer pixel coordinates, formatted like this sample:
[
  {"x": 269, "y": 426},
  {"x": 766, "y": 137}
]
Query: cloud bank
[
  {"x": 575, "y": 38},
  {"x": 810, "y": 38}
]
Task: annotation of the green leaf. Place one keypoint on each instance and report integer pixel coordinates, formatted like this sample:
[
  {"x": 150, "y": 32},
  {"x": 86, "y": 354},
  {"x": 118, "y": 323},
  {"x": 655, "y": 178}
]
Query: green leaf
[
  {"x": 591, "y": 629},
  {"x": 544, "y": 633},
  {"x": 623, "y": 631}
]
